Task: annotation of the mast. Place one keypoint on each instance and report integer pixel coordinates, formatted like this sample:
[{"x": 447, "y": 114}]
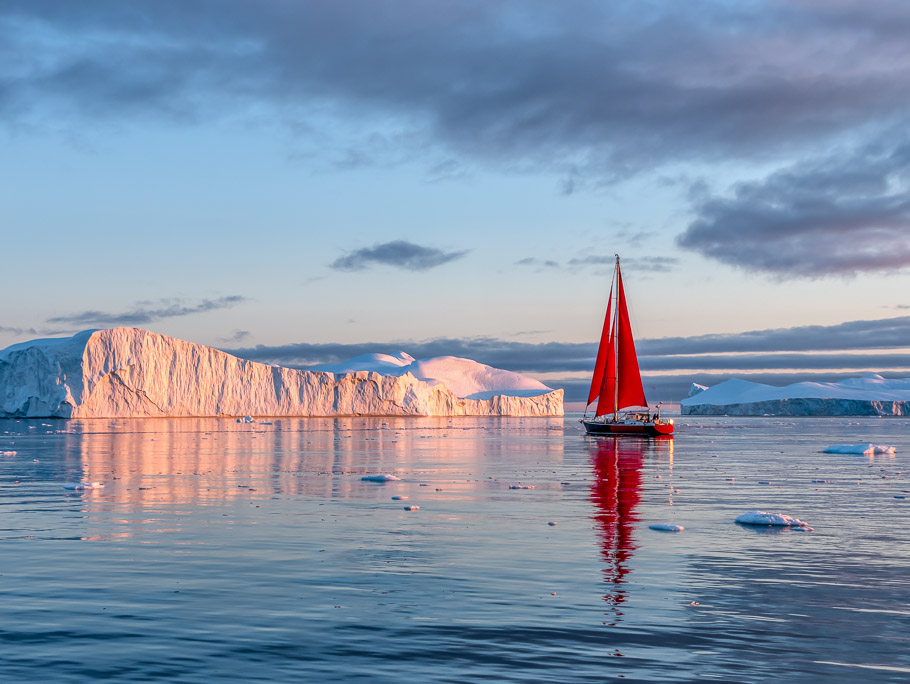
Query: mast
[{"x": 616, "y": 346}]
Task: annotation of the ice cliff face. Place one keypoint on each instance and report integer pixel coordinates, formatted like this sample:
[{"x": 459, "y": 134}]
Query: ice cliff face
[
  {"x": 871, "y": 395},
  {"x": 127, "y": 372}
]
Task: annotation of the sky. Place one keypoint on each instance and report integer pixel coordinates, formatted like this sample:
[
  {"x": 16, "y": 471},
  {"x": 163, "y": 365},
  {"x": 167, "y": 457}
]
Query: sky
[{"x": 304, "y": 182}]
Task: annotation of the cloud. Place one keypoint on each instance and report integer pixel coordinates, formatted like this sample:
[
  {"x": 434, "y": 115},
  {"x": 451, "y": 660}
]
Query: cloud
[
  {"x": 540, "y": 264},
  {"x": 649, "y": 84},
  {"x": 235, "y": 337},
  {"x": 18, "y": 331},
  {"x": 651, "y": 264},
  {"x": 692, "y": 357},
  {"x": 841, "y": 215},
  {"x": 398, "y": 253},
  {"x": 147, "y": 312},
  {"x": 883, "y": 333}
]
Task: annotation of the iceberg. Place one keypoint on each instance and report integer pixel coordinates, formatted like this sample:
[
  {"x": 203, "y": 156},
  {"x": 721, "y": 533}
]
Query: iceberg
[
  {"x": 129, "y": 372},
  {"x": 871, "y": 395}
]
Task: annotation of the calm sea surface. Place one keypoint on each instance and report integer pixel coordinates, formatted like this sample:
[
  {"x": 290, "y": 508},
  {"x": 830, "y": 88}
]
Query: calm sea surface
[{"x": 221, "y": 551}]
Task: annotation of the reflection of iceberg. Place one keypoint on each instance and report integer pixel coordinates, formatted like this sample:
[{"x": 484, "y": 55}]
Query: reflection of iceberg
[
  {"x": 127, "y": 372},
  {"x": 871, "y": 395}
]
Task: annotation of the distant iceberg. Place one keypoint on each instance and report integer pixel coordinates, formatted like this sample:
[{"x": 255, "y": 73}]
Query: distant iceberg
[
  {"x": 871, "y": 395},
  {"x": 128, "y": 372}
]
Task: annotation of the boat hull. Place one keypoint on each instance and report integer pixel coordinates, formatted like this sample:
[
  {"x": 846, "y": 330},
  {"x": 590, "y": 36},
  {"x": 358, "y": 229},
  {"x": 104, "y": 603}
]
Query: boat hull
[{"x": 633, "y": 429}]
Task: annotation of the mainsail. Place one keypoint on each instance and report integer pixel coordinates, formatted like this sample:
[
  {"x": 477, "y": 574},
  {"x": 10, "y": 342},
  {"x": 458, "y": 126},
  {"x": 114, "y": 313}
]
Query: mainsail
[{"x": 617, "y": 379}]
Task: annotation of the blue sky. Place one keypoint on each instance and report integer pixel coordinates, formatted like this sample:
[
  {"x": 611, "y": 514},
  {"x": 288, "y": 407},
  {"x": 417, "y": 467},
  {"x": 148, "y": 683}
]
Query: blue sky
[{"x": 298, "y": 181}]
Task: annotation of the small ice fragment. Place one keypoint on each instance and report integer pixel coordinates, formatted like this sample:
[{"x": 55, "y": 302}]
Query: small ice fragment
[
  {"x": 382, "y": 477},
  {"x": 553, "y": 524},
  {"x": 821, "y": 481},
  {"x": 865, "y": 449},
  {"x": 9, "y": 453},
  {"x": 84, "y": 485},
  {"x": 764, "y": 482},
  {"x": 665, "y": 527},
  {"x": 772, "y": 519},
  {"x": 518, "y": 486},
  {"x": 412, "y": 508},
  {"x": 694, "y": 603},
  {"x": 399, "y": 498}
]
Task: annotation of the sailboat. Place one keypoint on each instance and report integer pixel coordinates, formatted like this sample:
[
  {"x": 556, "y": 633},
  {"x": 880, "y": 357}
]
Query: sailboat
[{"x": 622, "y": 408}]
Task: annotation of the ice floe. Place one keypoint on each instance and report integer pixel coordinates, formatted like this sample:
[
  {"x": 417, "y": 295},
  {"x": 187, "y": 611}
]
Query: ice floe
[
  {"x": 84, "y": 485},
  {"x": 863, "y": 449},
  {"x": 382, "y": 477},
  {"x": 666, "y": 527},
  {"x": 772, "y": 520}
]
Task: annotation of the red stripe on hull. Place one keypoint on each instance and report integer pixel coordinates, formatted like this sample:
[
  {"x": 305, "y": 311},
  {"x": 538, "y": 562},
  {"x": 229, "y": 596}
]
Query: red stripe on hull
[{"x": 641, "y": 430}]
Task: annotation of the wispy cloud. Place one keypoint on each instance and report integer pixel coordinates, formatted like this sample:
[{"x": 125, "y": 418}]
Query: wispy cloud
[
  {"x": 236, "y": 337},
  {"x": 399, "y": 254},
  {"x": 19, "y": 331},
  {"x": 147, "y": 312},
  {"x": 540, "y": 264}
]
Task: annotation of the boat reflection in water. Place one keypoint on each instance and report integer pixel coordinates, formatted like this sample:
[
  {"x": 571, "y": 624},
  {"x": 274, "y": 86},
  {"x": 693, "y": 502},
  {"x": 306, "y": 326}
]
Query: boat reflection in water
[{"x": 617, "y": 465}]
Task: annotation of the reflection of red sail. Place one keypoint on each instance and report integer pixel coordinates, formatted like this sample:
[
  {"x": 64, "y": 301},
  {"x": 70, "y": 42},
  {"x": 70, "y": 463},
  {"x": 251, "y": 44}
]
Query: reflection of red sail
[{"x": 617, "y": 468}]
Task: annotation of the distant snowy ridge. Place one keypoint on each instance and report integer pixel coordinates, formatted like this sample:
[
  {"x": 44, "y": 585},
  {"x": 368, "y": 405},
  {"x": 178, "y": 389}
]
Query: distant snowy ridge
[
  {"x": 871, "y": 395},
  {"x": 128, "y": 372}
]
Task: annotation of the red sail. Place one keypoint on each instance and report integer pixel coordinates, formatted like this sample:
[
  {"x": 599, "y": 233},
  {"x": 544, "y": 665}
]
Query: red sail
[
  {"x": 631, "y": 391},
  {"x": 606, "y": 347},
  {"x": 607, "y": 389}
]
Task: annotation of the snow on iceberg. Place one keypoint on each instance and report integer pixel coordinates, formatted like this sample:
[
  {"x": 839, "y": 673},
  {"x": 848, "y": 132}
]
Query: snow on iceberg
[
  {"x": 467, "y": 379},
  {"x": 871, "y": 395},
  {"x": 770, "y": 519},
  {"x": 866, "y": 449},
  {"x": 128, "y": 372}
]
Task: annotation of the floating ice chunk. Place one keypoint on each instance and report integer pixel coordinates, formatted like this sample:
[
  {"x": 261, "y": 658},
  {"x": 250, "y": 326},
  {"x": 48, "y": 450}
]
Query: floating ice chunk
[
  {"x": 399, "y": 498},
  {"x": 551, "y": 524},
  {"x": 666, "y": 527},
  {"x": 412, "y": 508},
  {"x": 382, "y": 477},
  {"x": 859, "y": 449},
  {"x": 84, "y": 485},
  {"x": 772, "y": 519},
  {"x": 7, "y": 453},
  {"x": 522, "y": 487},
  {"x": 246, "y": 419}
]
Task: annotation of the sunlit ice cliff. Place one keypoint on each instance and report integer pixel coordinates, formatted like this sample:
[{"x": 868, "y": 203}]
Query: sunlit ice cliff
[
  {"x": 871, "y": 395},
  {"x": 128, "y": 372}
]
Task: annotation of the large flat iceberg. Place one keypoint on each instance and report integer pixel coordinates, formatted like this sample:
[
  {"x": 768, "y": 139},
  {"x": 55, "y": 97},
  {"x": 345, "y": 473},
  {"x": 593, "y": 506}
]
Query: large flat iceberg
[
  {"x": 871, "y": 395},
  {"x": 128, "y": 372}
]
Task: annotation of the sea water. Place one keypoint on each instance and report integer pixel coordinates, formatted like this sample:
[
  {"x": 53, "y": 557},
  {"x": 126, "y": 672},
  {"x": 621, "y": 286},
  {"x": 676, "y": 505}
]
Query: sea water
[{"x": 243, "y": 552}]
